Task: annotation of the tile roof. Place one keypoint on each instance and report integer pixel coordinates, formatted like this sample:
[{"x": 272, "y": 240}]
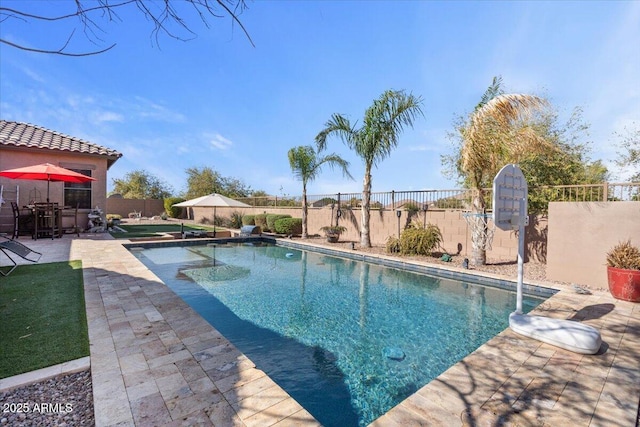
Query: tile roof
[{"x": 17, "y": 134}]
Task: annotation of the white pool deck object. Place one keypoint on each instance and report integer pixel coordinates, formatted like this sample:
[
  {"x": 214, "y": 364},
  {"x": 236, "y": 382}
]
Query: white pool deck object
[
  {"x": 510, "y": 192},
  {"x": 567, "y": 334}
]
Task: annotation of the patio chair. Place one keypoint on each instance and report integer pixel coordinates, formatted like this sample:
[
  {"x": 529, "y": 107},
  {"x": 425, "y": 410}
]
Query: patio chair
[
  {"x": 17, "y": 248},
  {"x": 22, "y": 221}
]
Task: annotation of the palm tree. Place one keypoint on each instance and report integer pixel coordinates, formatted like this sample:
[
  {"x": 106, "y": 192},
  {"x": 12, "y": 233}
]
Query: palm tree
[
  {"x": 499, "y": 131},
  {"x": 373, "y": 141},
  {"x": 306, "y": 164}
]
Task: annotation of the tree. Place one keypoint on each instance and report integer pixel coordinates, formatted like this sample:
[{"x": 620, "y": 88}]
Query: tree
[
  {"x": 375, "y": 139},
  {"x": 167, "y": 18},
  {"x": 140, "y": 184},
  {"x": 568, "y": 164},
  {"x": 306, "y": 164},
  {"x": 630, "y": 156},
  {"x": 497, "y": 132},
  {"x": 203, "y": 181}
]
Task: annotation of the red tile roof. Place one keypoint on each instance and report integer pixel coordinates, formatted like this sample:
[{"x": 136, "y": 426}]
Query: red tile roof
[{"x": 16, "y": 134}]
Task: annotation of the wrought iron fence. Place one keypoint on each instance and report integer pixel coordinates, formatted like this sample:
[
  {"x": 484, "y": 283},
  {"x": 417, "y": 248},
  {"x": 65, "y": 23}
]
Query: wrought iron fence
[{"x": 458, "y": 199}]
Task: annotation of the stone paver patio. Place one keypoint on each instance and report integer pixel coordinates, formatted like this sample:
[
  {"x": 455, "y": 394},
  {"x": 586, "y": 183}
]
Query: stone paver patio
[{"x": 155, "y": 361}]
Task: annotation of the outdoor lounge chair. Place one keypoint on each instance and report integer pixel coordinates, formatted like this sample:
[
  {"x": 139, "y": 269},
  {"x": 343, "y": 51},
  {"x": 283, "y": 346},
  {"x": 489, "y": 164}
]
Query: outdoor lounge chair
[{"x": 9, "y": 245}]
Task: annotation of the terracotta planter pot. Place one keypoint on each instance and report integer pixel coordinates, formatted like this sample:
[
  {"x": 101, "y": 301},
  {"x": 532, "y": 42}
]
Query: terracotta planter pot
[
  {"x": 333, "y": 238},
  {"x": 624, "y": 284}
]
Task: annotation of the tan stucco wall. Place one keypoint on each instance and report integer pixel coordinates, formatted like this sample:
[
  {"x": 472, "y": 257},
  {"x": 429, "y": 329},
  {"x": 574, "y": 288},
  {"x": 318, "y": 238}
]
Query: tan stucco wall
[
  {"x": 147, "y": 207},
  {"x": 384, "y": 223},
  {"x": 581, "y": 234},
  {"x": 10, "y": 159}
]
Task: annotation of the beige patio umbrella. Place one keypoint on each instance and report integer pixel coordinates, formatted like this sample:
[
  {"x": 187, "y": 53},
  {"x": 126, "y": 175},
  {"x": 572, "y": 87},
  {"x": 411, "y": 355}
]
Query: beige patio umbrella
[{"x": 212, "y": 201}]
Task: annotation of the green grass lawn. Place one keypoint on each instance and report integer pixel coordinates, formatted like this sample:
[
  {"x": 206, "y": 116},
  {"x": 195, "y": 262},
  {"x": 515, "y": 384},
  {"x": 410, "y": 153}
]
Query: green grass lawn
[
  {"x": 150, "y": 230},
  {"x": 42, "y": 316}
]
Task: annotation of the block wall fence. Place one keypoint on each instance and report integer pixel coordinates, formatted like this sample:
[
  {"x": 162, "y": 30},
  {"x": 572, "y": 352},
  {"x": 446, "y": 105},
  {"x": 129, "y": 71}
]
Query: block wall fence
[
  {"x": 572, "y": 239},
  {"x": 384, "y": 223}
]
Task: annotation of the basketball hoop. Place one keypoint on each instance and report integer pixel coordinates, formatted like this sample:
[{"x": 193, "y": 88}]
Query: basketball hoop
[{"x": 481, "y": 231}]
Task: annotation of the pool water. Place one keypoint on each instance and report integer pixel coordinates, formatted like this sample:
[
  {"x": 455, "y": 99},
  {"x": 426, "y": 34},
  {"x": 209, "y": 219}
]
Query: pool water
[{"x": 347, "y": 339}]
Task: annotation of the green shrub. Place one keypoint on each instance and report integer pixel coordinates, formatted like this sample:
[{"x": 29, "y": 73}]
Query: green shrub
[
  {"x": 420, "y": 241},
  {"x": 236, "y": 220},
  {"x": 288, "y": 226},
  {"x": 261, "y": 221},
  {"x": 271, "y": 219},
  {"x": 173, "y": 211},
  {"x": 220, "y": 221},
  {"x": 249, "y": 220},
  {"x": 411, "y": 208},
  {"x": 393, "y": 245}
]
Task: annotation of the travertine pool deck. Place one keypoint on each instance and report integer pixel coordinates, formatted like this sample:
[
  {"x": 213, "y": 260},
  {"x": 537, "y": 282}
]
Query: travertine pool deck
[{"x": 155, "y": 361}]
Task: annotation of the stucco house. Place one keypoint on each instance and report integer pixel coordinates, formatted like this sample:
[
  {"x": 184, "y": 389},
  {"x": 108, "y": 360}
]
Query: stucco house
[{"x": 23, "y": 144}]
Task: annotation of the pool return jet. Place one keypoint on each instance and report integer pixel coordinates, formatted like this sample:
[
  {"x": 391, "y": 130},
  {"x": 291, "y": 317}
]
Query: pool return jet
[{"x": 510, "y": 213}]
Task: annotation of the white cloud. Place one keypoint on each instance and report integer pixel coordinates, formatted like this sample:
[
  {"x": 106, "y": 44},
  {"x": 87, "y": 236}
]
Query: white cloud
[
  {"x": 219, "y": 142},
  {"x": 108, "y": 116},
  {"x": 152, "y": 110},
  {"x": 33, "y": 75}
]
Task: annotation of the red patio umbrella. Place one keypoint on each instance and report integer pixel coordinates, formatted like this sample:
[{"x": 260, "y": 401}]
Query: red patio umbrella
[{"x": 46, "y": 172}]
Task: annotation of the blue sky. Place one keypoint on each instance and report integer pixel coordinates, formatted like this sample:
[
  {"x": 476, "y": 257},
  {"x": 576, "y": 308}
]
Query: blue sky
[{"x": 217, "y": 101}]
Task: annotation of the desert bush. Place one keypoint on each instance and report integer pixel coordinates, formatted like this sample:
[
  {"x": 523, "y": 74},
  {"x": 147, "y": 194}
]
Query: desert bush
[
  {"x": 288, "y": 226},
  {"x": 113, "y": 216},
  {"x": 393, "y": 245},
  {"x": 271, "y": 219},
  {"x": 173, "y": 212},
  {"x": 249, "y": 220},
  {"x": 624, "y": 255},
  {"x": 235, "y": 221},
  {"x": 411, "y": 208},
  {"x": 261, "y": 221},
  {"x": 420, "y": 241},
  {"x": 220, "y": 221}
]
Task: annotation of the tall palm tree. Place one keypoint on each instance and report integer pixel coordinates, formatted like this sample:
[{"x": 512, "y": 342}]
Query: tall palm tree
[
  {"x": 373, "y": 141},
  {"x": 499, "y": 131},
  {"x": 306, "y": 164}
]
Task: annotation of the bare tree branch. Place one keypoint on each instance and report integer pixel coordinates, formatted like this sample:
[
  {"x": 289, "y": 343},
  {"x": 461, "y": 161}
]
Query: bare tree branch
[
  {"x": 56, "y": 52},
  {"x": 162, "y": 20}
]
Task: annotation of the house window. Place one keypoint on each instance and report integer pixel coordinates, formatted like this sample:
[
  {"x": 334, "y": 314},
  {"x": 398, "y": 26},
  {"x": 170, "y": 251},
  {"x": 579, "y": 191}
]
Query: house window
[{"x": 78, "y": 193}]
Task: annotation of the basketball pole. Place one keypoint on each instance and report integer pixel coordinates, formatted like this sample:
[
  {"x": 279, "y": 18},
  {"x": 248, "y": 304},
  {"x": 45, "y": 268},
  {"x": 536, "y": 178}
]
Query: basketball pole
[{"x": 521, "y": 222}]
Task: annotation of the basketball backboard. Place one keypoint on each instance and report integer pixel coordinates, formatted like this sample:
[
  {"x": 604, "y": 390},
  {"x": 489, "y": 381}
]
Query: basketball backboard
[{"x": 509, "y": 188}]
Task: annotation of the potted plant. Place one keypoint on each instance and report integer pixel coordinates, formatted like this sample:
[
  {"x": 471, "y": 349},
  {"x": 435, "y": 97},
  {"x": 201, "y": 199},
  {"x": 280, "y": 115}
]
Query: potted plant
[
  {"x": 623, "y": 271},
  {"x": 333, "y": 232}
]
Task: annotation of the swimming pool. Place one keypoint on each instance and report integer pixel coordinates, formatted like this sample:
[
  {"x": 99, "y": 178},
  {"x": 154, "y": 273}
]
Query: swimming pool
[{"x": 347, "y": 339}]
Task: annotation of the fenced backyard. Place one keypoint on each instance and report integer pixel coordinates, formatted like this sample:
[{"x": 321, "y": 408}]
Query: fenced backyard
[{"x": 459, "y": 199}]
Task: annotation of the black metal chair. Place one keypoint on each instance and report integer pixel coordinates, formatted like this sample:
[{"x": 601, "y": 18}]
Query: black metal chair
[
  {"x": 23, "y": 221},
  {"x": 17, "y": 248}
]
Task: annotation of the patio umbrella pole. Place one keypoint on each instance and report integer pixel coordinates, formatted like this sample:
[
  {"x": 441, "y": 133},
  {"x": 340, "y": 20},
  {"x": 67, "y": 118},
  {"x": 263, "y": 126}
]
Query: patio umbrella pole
[{"x": 214, "y": 222}]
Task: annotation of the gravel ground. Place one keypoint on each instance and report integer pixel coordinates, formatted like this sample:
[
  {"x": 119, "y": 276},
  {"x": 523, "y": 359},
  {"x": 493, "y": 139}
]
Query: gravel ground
[
  {"x": 62, "y": 401},
  {"x": 507, "y": 268}
]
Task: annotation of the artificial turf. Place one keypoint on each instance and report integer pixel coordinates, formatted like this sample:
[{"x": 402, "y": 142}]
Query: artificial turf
[{"x": 43, "y": 317}]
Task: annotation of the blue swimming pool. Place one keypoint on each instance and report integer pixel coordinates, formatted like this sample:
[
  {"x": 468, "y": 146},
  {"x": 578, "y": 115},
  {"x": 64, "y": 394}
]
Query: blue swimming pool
[{"x": 347, "y": 339}]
